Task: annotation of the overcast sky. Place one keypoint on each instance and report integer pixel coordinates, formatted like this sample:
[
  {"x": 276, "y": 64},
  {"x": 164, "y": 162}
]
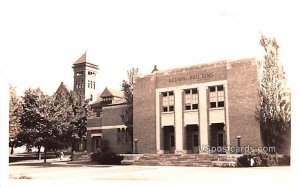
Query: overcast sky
[{"x": 40, "y": 40}]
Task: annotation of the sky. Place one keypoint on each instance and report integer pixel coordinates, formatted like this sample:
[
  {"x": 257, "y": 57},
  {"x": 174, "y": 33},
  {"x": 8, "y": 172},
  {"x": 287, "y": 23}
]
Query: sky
[{"x": 41, "y": 39}]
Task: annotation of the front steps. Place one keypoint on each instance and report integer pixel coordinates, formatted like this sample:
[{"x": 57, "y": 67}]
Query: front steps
[{"x": 199, "y": 160}]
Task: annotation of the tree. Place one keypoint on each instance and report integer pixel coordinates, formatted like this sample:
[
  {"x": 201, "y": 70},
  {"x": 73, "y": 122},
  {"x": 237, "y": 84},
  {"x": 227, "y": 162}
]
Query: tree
[
  {"x": 40, "y": 120},
  {"x": 14, "y": 114},
  {"x": 75, "y": 111},
  {"x": 273, "y": 110},
  {"x": 127, "y": 113}
]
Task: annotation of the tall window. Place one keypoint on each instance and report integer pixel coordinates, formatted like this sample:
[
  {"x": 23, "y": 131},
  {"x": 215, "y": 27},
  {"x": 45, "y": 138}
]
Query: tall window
[
  {"x": 216, "y": 96},
  {"x": 88, "y": 84},
  {"x": 191, "y": 99},
  {"x": 82, "y": 84},
  {"x": 168, "y": 101}
]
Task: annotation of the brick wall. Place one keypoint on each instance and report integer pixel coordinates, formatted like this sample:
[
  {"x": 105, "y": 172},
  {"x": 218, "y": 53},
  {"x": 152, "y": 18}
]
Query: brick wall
[
  {"x": 111, "y": 115},
  {"x": 242, "y": 99},
  {"x": 144, "y": 114},
  {"x": 110, "y": 135}
]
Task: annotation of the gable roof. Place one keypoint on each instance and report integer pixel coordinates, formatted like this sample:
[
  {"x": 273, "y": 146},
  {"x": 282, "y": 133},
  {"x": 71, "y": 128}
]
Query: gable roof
[{"x": 108, "y": 92}]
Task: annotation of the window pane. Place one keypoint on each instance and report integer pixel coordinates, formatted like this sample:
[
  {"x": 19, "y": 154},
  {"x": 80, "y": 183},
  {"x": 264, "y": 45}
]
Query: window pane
[
  {"x": 194, "y": 91},
  {"x": 195, "y": 99},
  {"x": 187, "y": 91},
  {"x": 187, "y": 107},
  {"x": 220, "y": 88},
  {"x": 171, "y": 93},
  {"x": 212, "y": 97},
  {"x": 195, "y": 106},
  {"x": 171, "y": 100},
  {"x": 213, "y": 104},
  {"x": 221, "y": 104},
  {"x": 164, "y": 94},
  {"x": 171, "y": 108},
  {"x": 188, "y": 99},
  {"x": 212, "y": 89},
  {"x": 165, "y": 109}
]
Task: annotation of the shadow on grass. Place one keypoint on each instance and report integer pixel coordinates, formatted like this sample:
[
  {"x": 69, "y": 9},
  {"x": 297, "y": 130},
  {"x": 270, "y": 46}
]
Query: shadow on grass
[
  {"x": 61, "y": 164},
  {"x": 32, "y": 156}
]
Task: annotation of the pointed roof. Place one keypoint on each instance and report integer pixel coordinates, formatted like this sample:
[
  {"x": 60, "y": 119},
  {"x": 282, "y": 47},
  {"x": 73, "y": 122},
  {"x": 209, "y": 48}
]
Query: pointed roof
[
  {"x": 82, "y": 59},
  {"x": 62, "y": 88},
  {"x": 108, "y": 92}
]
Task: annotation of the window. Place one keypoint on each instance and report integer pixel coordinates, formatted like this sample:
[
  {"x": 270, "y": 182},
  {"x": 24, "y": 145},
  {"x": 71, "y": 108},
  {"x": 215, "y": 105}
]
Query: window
[
  {"x": 168, "y": 101},
  {"x": 88, "y": 84},
  {"x": 191, "y": 99},
  {"x": 79, "y": 73},
  {"x": 81, "y": 84},
  {"x": 94, "y": 85},
  {"x": 91, "y": 97},
  {"x": 216, "y": 96}
]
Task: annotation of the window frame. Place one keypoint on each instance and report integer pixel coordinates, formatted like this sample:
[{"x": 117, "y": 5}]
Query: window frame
[
  {"x": 216, "y": 94},
  {"x": 191, "y": 99},
  {"x": 168, "y": 102}
]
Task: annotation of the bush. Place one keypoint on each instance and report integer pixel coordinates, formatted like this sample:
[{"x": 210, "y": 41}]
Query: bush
[
  {"x": 107, "y": 157},
  {"x": 260, "y": 159}
]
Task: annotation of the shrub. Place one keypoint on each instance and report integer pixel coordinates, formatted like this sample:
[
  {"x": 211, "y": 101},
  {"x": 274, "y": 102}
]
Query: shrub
[
  {"x": 107, "y": 157},
  {"x": 260, "y": 159}
]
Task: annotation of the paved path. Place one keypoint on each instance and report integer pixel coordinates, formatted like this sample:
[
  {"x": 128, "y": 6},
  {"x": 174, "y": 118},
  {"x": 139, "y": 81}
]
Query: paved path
[{"x": 74, "y": 172}]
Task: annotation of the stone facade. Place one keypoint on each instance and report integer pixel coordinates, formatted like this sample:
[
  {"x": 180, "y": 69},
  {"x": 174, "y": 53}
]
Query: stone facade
[{"x": 238, "y": 79}]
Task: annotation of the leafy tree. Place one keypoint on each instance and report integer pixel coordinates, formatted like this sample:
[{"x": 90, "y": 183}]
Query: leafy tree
[
  {"x": 14, "y": 114},
  {"x": 40, "y": 120},
  {"x": 273, "y": 110},
  {"x": 75, "y": 111},
  {"x": 127, "y": 113}
]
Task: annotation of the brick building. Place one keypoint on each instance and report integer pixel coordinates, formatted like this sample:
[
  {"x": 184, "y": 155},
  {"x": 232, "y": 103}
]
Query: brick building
[
  {"x": 107, "y": 123},
  {"x": 206, "y": 105}
]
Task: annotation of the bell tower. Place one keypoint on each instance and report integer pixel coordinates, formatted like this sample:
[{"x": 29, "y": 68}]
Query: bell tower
[{"x": 85, "y": 78}]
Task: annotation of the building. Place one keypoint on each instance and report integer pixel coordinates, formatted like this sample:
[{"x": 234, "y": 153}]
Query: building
[
  {"x": 107, "y": 106},
  {"x": 107, "y": 124},
  {"x": 197, "y": 108}
]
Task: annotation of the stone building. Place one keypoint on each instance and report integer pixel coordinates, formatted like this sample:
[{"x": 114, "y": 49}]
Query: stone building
[{"x": 194, "y": 109}]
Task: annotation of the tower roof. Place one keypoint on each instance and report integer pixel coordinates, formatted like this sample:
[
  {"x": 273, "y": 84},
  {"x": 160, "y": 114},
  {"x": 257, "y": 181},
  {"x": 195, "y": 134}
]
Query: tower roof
[{"x": 82, "y": 59}]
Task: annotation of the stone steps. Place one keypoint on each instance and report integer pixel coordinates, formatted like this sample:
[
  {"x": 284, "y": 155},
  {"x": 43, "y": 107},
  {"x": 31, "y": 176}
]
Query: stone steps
[{"x": 201, "y": 160}]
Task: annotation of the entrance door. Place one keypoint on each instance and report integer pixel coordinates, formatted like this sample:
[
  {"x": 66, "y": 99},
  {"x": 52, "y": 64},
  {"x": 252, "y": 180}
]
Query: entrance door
[
  {"x": 172, "y": 142},
  {"x": 220, "y": 138},
  {"x": 195, "y": 142}
]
